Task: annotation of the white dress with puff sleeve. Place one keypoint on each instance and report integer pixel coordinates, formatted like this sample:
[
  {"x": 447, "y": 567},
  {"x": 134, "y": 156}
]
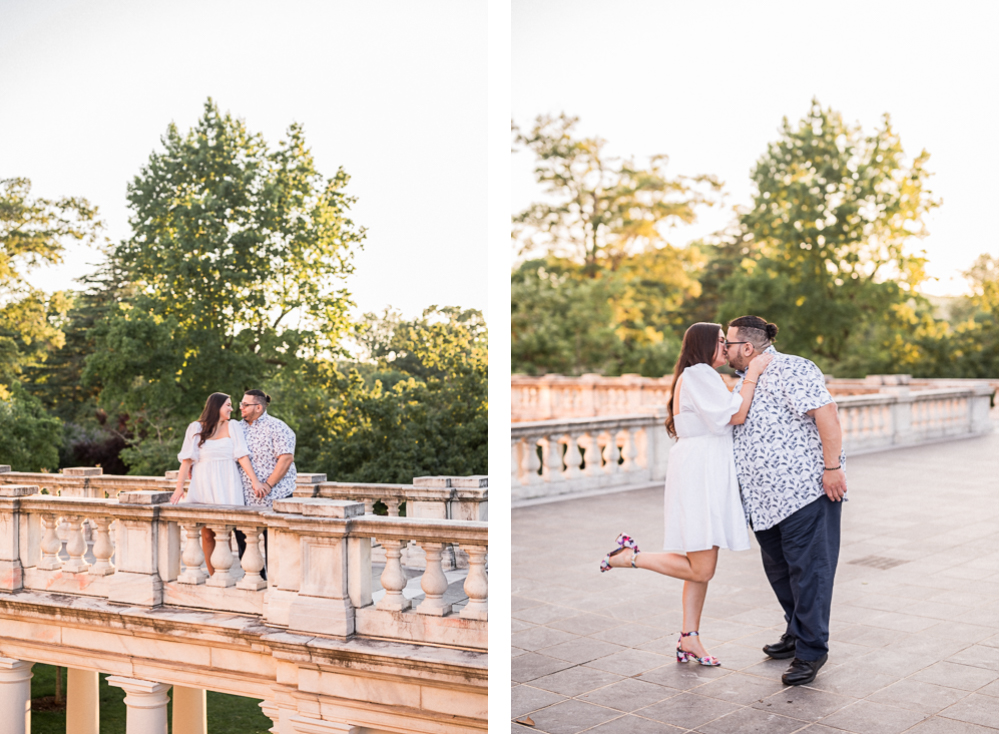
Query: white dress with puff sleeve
[
  {"x": 215, "y": 477},
  {"x": 702, "y": 506}
]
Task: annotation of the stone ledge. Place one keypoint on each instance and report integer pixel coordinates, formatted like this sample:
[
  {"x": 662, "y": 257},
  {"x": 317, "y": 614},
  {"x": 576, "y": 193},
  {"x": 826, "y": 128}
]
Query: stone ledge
[{"x": 432, "y": 663}]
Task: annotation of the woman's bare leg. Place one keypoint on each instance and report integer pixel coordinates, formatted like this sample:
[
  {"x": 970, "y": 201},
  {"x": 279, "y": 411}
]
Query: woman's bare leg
[
  {"x": 208, "y": 545},
  {"x": 695, "y": 569},
  {"x": 695, "y": 566},
  {"x": 693, "y": 598}
]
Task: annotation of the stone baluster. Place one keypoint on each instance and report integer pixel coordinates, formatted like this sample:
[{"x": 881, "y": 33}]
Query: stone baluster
[
  {"x": 102, "y": 549},
  {"x": 531, "y": 462},
  {"x": 222, "y": 557},
  {"x": 252, "y": 561},
  {"x": 393, "y": 580},
  {"x": 630, "y": 452},
  {"x": 193, "y": 557},
  {"x": 553, "y": 455},
  {"x": 51, "y": 545},
  {"x": 76, "y": 546},
  {"x": 433, "y": 582},
  {"x": 612, "y": 454},
  {"x": 515, "y": 462},
  {"x": 396, "y": 506},
  {"x": 573, "y": 470},
  {"x": 369, "y": 506},
  {"x": 476, "y": 584},
  {"x": 592, "y": 466}
]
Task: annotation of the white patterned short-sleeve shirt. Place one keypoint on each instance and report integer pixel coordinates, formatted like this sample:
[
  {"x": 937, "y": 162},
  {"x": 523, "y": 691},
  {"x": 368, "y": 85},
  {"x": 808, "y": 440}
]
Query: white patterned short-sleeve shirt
[
  {"x": 779, "y": 454},
  {"x": 268, "y": 438}
]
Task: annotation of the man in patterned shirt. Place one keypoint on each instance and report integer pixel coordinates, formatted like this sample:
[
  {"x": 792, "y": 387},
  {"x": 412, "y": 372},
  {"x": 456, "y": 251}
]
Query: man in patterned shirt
[
  {"x": 272, "y": 456},
  {"x": 791, "y": 470}
]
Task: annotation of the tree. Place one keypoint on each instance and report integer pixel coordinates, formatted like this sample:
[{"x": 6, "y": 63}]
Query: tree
[
  {"x": 418, "y": 407},
  {"x": 560, "y": 322},
  {"x": 606, "y": 292},
  {"x": 620, "y": 321},
  {"x": 601, "y": 209},
  {"x": 236, "y": 265},
  {"x": 833, "y": 218},
  {"x": 33, "y": 233},
  {"x": 31, "y": 437}
]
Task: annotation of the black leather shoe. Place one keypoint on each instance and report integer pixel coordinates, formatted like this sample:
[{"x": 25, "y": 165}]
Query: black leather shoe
[
  {"x": 801, "y": 672},
  {"x": 785, "y": 648}
]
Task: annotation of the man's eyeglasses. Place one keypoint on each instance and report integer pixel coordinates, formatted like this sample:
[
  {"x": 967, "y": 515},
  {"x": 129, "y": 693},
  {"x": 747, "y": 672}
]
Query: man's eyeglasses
[
  {"x": 729, "y": 344},
  {"x": 248, "y": 405}
]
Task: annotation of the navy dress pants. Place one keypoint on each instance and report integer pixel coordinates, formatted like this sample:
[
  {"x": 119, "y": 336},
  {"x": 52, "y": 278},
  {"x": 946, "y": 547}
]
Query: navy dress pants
[{"x": 800, "y": 560}]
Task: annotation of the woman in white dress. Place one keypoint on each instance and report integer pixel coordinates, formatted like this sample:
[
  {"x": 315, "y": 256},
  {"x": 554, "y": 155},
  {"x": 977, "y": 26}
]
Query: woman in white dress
[
  {"x": 702, "y": 508},
  {"x": 213, "y": 445}
]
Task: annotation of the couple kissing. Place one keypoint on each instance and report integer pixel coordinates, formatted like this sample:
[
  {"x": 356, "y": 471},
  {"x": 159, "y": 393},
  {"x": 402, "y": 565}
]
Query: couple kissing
[{"x": 767, "y": 454}]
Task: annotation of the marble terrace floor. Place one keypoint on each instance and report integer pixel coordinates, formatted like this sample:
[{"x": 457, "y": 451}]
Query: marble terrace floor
[{"x": 914, "y": 624}]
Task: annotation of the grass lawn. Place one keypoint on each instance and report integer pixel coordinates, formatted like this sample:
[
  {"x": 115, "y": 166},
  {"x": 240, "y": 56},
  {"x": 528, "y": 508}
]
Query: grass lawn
[{"x": 226, "y": 714}]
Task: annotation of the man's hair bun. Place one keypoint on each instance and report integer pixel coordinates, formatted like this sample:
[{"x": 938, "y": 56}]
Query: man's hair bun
[
  {"x": 771, "y": 330},
  {"x": 268, "y": 397},
  {"x": 260, "y": 394}
]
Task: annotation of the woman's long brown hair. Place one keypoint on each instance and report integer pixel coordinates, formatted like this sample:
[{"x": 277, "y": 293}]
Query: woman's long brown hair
[
  {"x": 698, "y": 347},
  {"x": 210, "y": 415}
]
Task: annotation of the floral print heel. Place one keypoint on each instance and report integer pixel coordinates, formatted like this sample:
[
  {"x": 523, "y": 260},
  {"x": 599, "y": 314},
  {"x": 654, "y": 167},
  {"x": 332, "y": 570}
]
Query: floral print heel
[
  {"x": 683, "y": 656},
  {"x": 623, "y": 541}
]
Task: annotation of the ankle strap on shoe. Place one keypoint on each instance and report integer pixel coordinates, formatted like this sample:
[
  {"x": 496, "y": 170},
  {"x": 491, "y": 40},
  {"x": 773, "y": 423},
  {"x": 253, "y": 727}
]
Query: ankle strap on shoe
[
  {"x": 635, "y": 552},
  {"x": 689, "y": 634}
]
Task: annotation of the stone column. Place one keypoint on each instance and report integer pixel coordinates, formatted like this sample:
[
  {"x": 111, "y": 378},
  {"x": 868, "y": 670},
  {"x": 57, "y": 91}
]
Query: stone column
[
  {"x": 146, "y": 704},
  {"x": 15, "y": 696},
  {"x": 82, "y": 702},
  {"x": 189, "y": 711}
]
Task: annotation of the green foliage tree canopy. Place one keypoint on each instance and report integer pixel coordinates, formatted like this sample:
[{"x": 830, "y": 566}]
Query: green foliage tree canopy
[
  {"x": 234, "y": 271},
  {"x": 230, "y": 234},
  {"x": 602, "y": 209},
  {"x": 833, "y": 216},
  {"x": 33, "y": 233}
]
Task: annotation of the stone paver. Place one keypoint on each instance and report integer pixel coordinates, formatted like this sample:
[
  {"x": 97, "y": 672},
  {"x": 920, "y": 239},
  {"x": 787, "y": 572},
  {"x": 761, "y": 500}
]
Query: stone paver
[{"x": 913, "y": 630}]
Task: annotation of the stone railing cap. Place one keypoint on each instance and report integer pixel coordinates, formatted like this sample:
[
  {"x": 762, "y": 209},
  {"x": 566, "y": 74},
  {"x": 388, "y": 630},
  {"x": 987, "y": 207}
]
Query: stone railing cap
[
  {"x": 4, "y": 468},
  {"x": 476, "y": 481},
  {"x": 301, "y": 478},
  {"x": 143, "y": 497},
  {"x": 82, "y": 471},
  {"x": 444, "y": 482},
  {"x": 17, "y": 490},
  {"x": 438, "y": 482},
  {"x": 319, "y": 507}
]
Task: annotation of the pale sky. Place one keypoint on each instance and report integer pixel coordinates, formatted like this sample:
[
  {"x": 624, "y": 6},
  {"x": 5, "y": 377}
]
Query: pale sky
[
  {"x": 394, "y": 92},
  {"x": 708, "y": 84}
]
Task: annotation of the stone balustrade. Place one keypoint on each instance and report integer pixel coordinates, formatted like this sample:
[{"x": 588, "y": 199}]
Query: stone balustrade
[
  {"x": 443, "y": 498},
  {"x": 581, "y": 455},
  {"x": 557, "y": 457},
  {"x": 556, "y": 397},
  {"x": 362, "y": 622},
  {"x": 143, "y": 551}
]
